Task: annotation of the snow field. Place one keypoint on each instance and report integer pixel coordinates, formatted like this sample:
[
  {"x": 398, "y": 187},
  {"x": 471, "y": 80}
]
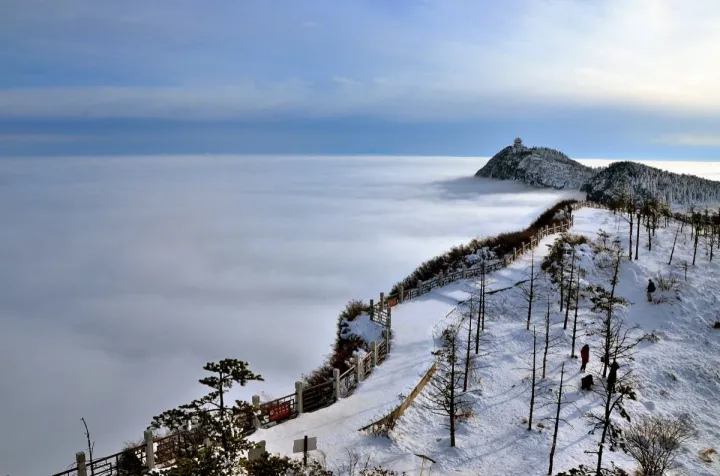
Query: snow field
[{"x": 677, "y": 376}]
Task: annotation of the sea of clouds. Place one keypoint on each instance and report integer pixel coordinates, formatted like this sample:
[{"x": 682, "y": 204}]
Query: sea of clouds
[{"x": 120, "y": 277}]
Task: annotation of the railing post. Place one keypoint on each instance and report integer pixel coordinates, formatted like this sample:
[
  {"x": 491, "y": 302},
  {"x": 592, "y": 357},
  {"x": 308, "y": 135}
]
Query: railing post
[
  {"x": 514, "y": 253},
  {"x": 441, "y": 279},
  {"x": 336, "y": 384},
  {"x": 359, "y": 368},
  {"x": 388, "y": 327},
  {"x": 256, "y": 407},
  {"x": 401, "y": 294},
  {"x": 419, "y": 287},
  {"x": 382, "y": 301},
  {"x": 464, "y": 271},
  {"x": 299, "y": 397},
  {"x": 374, "y": 350},
  {"x": 80, "y": 460},
  {"x": 372, "y": 310},
  {"x": 149, "y": 450}
]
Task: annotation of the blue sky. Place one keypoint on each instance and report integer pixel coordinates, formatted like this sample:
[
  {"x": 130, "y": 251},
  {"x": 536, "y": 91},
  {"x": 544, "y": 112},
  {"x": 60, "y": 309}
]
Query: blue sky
[{"x": 613, "y": 78}]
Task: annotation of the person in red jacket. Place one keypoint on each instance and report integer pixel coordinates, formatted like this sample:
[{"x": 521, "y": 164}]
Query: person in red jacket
[{"x": 585, "y": 356}]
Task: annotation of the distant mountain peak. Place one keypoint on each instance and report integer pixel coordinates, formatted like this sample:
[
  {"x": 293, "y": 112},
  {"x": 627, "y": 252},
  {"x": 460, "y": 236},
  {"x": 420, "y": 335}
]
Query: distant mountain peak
[
  {"x": 549, "y": 168},
  {"x": 537, "y": 166}
]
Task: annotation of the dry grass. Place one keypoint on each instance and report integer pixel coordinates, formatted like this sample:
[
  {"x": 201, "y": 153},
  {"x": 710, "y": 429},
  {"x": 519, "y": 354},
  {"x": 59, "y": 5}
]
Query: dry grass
[{"x": 706, "y": 455}]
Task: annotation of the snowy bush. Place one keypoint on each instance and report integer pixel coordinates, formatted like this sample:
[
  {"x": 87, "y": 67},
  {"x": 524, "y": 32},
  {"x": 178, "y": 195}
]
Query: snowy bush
[
  {"x": 667, "y": 282},
  {"x": 499, "y": 245},
  {"x": 655, "y": 441}
]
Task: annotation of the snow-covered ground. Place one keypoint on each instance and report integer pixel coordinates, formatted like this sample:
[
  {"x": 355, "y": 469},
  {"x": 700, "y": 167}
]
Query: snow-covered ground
[{"x": 678, "y": 376}]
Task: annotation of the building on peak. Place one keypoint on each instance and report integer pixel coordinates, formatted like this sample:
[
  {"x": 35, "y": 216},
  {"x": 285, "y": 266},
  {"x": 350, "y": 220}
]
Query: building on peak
[{"x": 518, "y": 145}]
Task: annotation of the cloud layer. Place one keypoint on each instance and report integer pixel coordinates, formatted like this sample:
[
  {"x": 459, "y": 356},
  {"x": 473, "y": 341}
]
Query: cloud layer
[
  {"x": 122, "y": 277},
  {"x": 432, "y": 59}
]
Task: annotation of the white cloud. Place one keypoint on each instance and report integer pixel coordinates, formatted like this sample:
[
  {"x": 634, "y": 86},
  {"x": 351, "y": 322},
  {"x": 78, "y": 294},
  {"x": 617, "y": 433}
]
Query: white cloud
[{"x": 697, "y": 140}]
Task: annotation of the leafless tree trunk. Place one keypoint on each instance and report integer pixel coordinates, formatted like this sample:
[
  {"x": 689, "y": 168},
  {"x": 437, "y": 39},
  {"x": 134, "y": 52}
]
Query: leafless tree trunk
[
  {"x": 557, "y": 420},
  {"x": 570, "y": 289},
  {"x": 695, "y": 245},
  {"x": 547, "y": 339},
  {"x": 91, "y": 447},
  {"x": 531, "y": 292},
  {"x": 534, "y": 379},
  {"x": 467, "y": 351},
  {"x": 672, "y": 252},
  {"x": 481, "y": 308},
  {"x": 637, "y": 236},
  {"x": 630, "y": 220},
  {"x": 577, "y": 305}
]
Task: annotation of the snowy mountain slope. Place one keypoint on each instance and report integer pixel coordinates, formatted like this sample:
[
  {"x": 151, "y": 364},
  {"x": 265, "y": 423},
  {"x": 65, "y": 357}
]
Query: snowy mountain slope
[
  {"x": 644, "y": 181},
  {"x": 536, "y": 166},
  {"x": 677, "y": 376}
]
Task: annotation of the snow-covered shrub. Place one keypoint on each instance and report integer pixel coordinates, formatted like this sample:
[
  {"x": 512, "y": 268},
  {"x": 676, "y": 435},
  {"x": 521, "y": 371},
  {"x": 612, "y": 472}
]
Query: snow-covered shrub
[
  {"x": 655, "y": 441},
  {"x": 667, "y": 282},
  {"x": 345, "y": 345},
  {"x": 500, "y": 245}
]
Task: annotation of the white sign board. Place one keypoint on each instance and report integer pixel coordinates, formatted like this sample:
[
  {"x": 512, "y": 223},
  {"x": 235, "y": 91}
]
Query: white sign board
[{"x": 299, "y": 445}]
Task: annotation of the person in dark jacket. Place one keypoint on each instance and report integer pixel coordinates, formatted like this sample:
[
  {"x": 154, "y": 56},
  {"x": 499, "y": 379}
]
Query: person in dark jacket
[
  {"x": 584, "y": 356},
  {"x": 650, "y": 289},
  {"x": 612, "y": 378}
]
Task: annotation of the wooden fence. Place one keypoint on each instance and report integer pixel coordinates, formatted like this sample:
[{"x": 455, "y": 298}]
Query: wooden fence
[{"x": 308, "y": 399}]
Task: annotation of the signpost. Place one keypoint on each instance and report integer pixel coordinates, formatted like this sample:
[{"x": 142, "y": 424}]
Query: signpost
[
  {"x": 255, "y": 453},
  {"x": 304, "y": 445},
  {"x": 280, "y": 411}
]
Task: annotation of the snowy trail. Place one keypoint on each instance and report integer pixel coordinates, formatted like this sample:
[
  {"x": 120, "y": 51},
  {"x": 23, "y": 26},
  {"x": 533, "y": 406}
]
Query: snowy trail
[
  {"x": 414, "y": 323},
  {"x": 336, "y": 427}
]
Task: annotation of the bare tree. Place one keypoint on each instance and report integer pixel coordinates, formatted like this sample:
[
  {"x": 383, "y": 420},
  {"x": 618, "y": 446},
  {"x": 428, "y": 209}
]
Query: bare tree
[
  {"x": 90, "y": 446},
  {"x": 528, "y": 289},
  {"x": 558, "y": 404},
  {"x": 654, "y": 442},
  {"x": 575, "y": 318},
  {"x": 445, "y": 396},
  {"x": 550, "y": 342},
  {"x": 672, "y": 252},
  {"x": 533, "y": 382},
  {"x": 637, "y": 234},
  {"x": 627, "y": 205},
  {"x": 570, "y": 292},
  {"x": 696, "y": 237},
  {"x": 610, "y": 327},
  {"x": 614, "y": 391}
]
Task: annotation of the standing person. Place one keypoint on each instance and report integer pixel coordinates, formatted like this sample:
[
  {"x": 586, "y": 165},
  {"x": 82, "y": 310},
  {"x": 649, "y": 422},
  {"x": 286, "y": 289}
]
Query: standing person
[
  {"x": 612, "y": 378},
  {"x": 584, "y": 356},
  {"x": 650, "y": 289}
]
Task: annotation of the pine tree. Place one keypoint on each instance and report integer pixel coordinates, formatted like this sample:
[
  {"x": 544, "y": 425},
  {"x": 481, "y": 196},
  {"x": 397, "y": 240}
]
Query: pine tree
[
  {"x": 216, "y": 419},
  {"x": 445, "y": 397}
]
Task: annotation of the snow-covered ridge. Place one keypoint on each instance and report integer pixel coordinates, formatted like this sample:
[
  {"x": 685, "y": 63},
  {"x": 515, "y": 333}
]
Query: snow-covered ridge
[
  {"x": 550, "y": 168},
  {"x": 644, "y": 182}
]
